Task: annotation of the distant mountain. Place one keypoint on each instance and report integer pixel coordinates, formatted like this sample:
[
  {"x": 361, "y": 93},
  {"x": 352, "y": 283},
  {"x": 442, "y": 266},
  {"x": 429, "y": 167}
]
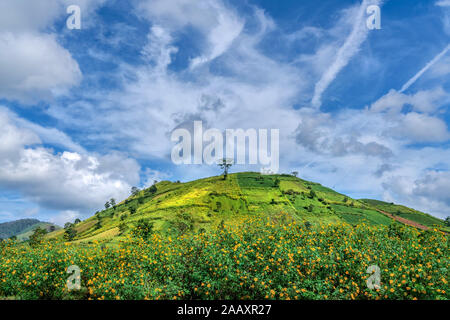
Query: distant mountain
[
  {"x": 23, "y": 228},
  {"x": 206, "y": 203}
]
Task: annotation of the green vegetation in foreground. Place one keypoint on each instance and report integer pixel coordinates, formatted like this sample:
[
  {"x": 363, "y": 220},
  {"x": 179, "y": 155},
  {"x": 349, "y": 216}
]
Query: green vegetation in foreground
[
  {"x": 174, "y": 207},
  {"x": 264, "y": 258}
]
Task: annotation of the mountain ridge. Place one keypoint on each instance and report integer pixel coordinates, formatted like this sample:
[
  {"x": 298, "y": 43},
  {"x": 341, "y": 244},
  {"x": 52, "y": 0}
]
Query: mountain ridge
[{"x": 22, "y": 228}]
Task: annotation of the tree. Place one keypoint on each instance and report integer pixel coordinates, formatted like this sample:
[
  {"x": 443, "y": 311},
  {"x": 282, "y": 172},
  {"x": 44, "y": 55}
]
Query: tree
[
  {"x": 135, "y": 191},
  {"x": 98, "y": 225},
  {"x": 294, "y": 173},
  {"x": 132, "y": 210},
  {"x": 276, "y": 183},
  {"x": 447, "y": 221},
  {"x": 70, "y": 234},
  {"x": 152, "y": 189},
  {"x": 52, "y": 228},
  {"x": 77, "y": 221},
  {"x": 37, "y": 237},
  {"x": 122, "y": 228},
  {"x": 107, "y": 205},
  {"x": 112, "y": 202},
  {"x": 225, "y": 164},
  {"x": 68, "y": 225},
  {"x": 312, "y": 194},
  {"x": 143, "y": 229}
]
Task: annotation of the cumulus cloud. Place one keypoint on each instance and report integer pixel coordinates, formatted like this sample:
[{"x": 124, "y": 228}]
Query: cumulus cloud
[
  {"x": 423, "y": 101},
  {"x": 324, "y": 133},
  {"x": 65, "y": 216},
  {"x": 33, "y": 65},
  {"x": 428, "y": 192},
  {"x": 63, "y": 181},
  {"x": 418, "y": 127}
]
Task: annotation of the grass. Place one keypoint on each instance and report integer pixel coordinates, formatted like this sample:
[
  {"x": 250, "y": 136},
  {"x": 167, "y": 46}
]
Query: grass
[
  {"x": 405, "y": 212},
  {"x": 248, "y": 194}
]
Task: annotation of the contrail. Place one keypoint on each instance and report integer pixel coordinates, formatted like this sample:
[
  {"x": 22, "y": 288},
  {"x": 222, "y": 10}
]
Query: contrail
[
  {"x": 424, "y": 69},
  {"x": 349, "y": 49}
]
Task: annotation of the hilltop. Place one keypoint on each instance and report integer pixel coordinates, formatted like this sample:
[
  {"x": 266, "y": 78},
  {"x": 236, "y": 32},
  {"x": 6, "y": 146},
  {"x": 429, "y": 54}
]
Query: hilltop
[
  {"x": 206, "y": 203},
  {"x": 23, "y": 228}
]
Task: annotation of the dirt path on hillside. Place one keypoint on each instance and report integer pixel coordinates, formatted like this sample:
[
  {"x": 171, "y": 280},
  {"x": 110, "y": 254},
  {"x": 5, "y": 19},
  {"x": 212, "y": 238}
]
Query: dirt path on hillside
[{"x": 404, "y": 221}]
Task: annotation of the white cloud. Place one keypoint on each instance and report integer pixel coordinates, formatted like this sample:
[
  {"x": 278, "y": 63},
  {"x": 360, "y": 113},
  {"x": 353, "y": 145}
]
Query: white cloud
[
  {"x": 443, "y": 3},
  {"x": 420, "y": 128},
  {"x": 428, "y": 192},
  {"x": 65, "y": 216},
  {"x": 67, "y": 180},
  {"x": 33, "y": 65},
  {"x": 428, "y": 101},
  {"x": 219, "y": 24}
]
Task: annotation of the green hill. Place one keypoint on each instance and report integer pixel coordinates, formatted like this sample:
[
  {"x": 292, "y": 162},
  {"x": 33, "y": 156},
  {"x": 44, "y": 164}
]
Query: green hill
[
  {"x": 205, "y": 203},
  {"x": 407, "y": 213},
  {"x": 22, "y": 228}
]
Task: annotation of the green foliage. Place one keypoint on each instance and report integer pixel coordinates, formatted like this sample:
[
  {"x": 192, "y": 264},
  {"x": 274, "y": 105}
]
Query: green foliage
[
  {"x": 276, "y": 183},
  {"x": 122, "y": 228},
  {"x": 70, "y": 234},
  {"x": 183, "y": 223},
  {"x": 8, "y": 229},
  {"x": 98, "y": 225},
  {"x": 260, "y": 260},
  {"x": 143, "y": 229},
  {"x": 210, "y": 200},
  {"x": 37, "y": 237},
  {"x": 132, "y": 210},
  {"x": 135, "y": 191},
  {"x": 152, "y": 189}
]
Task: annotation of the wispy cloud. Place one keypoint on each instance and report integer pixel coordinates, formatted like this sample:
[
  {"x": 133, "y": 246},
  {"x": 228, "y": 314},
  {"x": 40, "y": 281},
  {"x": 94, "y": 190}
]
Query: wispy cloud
[
  {"x": 350, "y": 47},
  {"x": 443, "y": 3},
  {"x": 424, "y": 69}
]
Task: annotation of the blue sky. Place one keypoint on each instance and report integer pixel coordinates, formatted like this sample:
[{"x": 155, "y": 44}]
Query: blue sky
[{"x": 86, "y": 114}]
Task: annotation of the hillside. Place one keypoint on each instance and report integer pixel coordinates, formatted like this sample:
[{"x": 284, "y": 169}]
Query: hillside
[
  {"x": 205, "y": 203},
  {"x": 22, "y": 228}
]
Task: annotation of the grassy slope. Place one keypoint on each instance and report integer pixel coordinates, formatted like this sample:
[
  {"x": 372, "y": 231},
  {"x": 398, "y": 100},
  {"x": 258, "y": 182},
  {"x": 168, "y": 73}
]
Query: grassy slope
[
  {"x": 25, "y": 234},
  {"x": 209, "y": 201},
  {"x": 407, "y": 213}
]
